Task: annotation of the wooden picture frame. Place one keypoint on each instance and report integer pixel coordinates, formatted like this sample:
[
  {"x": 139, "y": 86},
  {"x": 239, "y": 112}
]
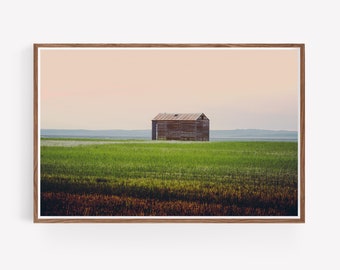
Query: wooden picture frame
[{"x": 50, "y": 65}]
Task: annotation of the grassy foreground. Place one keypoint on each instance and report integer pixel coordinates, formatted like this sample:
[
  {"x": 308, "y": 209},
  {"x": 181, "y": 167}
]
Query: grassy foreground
[{"x": 136, "y": 178}]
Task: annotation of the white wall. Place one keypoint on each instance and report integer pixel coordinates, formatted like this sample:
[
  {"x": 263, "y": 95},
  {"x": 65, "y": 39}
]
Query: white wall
[{"x": 170, "y": 246}]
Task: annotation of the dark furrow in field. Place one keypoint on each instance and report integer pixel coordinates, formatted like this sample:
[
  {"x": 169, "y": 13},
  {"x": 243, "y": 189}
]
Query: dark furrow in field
[{"x": 64, "y": 204}]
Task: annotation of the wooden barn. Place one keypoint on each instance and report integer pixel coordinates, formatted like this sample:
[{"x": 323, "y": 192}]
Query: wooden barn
[{"x": 180, "y": 126}]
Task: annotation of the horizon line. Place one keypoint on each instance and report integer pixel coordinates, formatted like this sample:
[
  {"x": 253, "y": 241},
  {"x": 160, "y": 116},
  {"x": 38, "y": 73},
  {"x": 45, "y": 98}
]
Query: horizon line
[{"x": 151, "y": 129}]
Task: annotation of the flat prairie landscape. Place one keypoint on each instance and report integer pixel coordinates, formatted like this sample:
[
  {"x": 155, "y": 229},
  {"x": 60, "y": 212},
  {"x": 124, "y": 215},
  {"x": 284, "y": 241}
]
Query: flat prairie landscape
[{"x": 90, "y": 177}]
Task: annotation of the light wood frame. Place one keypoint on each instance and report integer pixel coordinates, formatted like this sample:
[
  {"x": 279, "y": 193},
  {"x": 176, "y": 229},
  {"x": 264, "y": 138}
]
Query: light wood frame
[{"x": 300, "y": 219}]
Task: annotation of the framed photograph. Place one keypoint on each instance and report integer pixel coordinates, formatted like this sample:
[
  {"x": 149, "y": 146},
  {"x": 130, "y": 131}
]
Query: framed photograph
[{"x": 187, "y": 133}]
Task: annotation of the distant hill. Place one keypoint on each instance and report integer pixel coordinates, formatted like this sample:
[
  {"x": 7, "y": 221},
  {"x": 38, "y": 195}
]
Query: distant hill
[
  {"x": 254, "y": 134},
  {"x": 84, "y": 133},
  {"x": 215, "y": 135}
]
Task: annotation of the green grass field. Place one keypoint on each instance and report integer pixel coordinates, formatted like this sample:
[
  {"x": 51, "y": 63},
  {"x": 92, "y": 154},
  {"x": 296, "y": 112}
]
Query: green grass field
[{"x": 143, "y": 178}]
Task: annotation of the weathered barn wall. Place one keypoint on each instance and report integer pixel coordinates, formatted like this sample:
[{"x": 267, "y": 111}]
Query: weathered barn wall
[
  {"x": 185, "y": 130},
  {"x": 154, "y": 130}
]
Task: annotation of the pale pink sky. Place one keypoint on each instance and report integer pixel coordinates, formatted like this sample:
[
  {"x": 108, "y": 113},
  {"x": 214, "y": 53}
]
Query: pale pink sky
[{"x": 126, "y": 88}]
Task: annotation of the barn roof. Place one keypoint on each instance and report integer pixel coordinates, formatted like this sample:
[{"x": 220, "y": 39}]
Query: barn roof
[{"x": 179, "y": 116}]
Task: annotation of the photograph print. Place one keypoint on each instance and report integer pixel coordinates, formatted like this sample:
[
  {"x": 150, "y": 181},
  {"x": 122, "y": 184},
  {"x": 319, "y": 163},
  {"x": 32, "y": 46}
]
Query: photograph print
[{"x": 169, "y": 133}]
